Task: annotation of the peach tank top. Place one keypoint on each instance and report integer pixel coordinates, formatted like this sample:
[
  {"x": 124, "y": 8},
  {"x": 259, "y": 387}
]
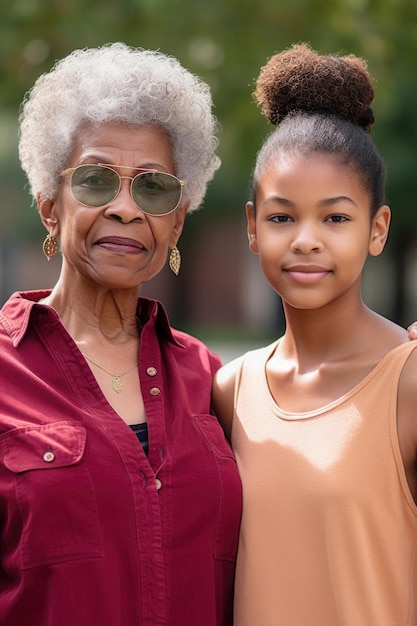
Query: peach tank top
[{"x": 329, "y": 527}]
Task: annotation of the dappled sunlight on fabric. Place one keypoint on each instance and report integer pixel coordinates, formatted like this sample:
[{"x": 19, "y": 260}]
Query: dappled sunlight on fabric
[{"x": 322, "y": 450}]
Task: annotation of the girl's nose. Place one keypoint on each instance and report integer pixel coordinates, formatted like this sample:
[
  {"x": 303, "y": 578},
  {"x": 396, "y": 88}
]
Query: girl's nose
[{"x": 307, "y": 239}]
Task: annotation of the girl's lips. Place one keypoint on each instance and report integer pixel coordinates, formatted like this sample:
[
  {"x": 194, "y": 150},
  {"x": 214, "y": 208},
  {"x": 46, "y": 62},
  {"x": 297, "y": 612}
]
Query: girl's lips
[
  {"x": 307, "y": 275},
  {"x": 120, "y": 244}
]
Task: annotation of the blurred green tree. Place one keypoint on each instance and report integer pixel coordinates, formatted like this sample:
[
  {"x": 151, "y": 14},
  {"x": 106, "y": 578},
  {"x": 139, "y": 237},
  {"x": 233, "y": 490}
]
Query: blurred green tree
[{"x": 225, "y": 43}]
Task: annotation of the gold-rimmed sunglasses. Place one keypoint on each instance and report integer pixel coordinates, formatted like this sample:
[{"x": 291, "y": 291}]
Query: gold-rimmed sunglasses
[{"x": 154, "y": 193}]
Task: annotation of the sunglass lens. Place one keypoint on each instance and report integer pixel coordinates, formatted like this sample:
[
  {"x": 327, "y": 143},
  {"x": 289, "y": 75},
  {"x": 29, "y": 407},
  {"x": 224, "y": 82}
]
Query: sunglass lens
[
  {"x": 94, "y": 185},
  {"x": 156, "y": 193}
]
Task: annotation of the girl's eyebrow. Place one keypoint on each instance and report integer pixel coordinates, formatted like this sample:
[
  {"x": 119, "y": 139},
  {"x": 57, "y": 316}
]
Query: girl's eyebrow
[
  {"x": 278, "y": 200},
  {"x": 322, "y": 203},
  {"x": 335, "y": 200}
]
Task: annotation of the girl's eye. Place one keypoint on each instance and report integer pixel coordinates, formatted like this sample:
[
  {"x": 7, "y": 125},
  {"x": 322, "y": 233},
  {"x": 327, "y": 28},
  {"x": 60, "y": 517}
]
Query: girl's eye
[
  {"x": 280, "y": 219},
  {"x": 337, "y": 219}
]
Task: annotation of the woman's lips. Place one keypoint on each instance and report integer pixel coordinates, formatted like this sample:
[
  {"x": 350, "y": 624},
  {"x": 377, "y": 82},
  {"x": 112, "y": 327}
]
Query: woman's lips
[{"x": 120, "y": 244}]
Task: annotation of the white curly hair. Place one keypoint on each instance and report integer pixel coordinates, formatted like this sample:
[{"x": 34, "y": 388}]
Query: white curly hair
[{"x": 116, "y": 82}]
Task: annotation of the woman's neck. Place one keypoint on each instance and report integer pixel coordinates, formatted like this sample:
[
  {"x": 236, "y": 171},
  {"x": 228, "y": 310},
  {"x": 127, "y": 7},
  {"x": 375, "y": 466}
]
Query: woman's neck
[{"x": 108, "y": 315}]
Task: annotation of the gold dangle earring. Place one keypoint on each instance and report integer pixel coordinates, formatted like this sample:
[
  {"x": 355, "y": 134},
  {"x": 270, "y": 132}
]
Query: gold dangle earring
[
  {"x": 50, "y": 246},
  {"x": 175, "y": 260}
]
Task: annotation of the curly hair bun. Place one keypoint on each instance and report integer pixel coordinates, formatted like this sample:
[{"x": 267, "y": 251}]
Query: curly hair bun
[{"x": 299, "y": 79}]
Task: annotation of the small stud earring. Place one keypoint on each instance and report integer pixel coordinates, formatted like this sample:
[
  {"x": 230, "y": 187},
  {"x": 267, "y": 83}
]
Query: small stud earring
[
  {"x": 50, "y": 246},
  {"x": 175, "y": 260}
]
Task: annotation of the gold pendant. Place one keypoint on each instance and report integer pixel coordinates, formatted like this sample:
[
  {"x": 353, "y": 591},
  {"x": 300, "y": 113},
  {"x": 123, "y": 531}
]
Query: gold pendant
[{"x": 117, "y": 384}]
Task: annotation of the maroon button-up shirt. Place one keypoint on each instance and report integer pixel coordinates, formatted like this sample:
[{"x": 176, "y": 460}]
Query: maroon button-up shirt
[{"x": 92, "y": 531}]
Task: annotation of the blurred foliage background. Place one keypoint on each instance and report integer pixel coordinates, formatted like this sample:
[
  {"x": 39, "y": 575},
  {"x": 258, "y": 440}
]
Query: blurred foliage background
[{"x": 225, "y": 42}]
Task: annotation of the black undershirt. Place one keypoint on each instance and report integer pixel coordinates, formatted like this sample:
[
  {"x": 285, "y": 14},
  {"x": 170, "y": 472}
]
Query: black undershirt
[{"x": 141, "y": 431}]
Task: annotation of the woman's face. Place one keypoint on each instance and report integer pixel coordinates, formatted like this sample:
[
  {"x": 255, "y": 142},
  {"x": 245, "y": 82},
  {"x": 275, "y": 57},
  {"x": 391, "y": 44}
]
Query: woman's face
[{"x": 116, "y": 245}]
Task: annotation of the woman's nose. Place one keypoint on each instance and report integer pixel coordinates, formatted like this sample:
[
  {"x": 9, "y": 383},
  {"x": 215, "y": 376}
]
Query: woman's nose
[{"x": 123, "y": 207}]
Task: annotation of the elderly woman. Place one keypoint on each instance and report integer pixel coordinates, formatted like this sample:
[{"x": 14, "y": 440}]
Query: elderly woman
[{"x": 119, "y": 495}]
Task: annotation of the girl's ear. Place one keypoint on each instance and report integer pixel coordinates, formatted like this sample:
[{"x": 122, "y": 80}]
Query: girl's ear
[
  {"x": 379, "y": 230},
  {"x": 46, "y": 208},
  {"x": 250, "y": 214}
]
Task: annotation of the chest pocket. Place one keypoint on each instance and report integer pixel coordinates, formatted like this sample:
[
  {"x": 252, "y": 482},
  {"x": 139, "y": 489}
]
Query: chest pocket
[
  {"x": 230, "y": 490},
  {"x": 54, "y": 493}
]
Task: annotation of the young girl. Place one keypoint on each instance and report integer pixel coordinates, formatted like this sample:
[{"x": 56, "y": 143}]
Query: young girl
[{"x": 323, "y": 421}]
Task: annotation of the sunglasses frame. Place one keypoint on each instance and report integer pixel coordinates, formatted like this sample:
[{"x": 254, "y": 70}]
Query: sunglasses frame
[{"x": 142, "y": 170}]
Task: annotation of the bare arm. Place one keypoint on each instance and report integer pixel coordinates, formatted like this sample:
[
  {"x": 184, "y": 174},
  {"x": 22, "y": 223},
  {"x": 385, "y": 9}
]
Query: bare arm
[
  {"x": 223, "y": 395},
  {"x": 407, "y": 421}
]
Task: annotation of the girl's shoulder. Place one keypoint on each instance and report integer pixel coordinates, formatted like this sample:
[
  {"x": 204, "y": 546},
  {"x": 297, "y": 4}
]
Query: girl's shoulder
[
  {"x": 226, "y": 376},
  {"x": 223, "y": 393},
  {"x": 224, "y": 383},
  {"x": 408, "y": 383}
]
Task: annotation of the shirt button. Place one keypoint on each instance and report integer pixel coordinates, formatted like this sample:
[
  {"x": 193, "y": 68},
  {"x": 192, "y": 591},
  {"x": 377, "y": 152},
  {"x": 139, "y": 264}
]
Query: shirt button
[
  {"x": 158, "y": 483},
  {"x": 151, "y": 371},
  {"x": 48, "y": 457},
  {"x": 155, "y": 391}
]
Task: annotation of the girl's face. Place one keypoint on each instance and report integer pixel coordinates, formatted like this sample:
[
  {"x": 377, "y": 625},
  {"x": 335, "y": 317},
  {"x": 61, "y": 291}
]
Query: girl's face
[
  {"x": 116, "y": 245},
  {"x": 312, "y": 229}
]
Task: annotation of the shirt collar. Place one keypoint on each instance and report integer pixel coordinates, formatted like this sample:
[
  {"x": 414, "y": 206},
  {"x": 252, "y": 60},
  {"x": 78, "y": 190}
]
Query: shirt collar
[
  {"x": 152, "y": 314},
  {"x": 21, "y": 307}
]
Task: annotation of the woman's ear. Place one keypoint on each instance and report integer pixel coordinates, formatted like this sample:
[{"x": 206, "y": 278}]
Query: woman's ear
[
  {"x": 250, "y": 214},
  {"x": 46, "y": 208},
  {"x": 379, "y": 230},
  {"x": 179, "y": 218}
]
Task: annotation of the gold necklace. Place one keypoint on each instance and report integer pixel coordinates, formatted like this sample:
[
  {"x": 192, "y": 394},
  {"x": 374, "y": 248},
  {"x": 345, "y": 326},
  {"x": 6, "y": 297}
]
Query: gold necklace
[{"x": 115, "y": 378}]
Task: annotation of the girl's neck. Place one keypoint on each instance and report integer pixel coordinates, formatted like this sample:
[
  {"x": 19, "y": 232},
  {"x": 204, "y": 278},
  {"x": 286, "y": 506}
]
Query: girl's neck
[
  {"x": 316, "y": 363},
  {"x": 315, "y": 337}
]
